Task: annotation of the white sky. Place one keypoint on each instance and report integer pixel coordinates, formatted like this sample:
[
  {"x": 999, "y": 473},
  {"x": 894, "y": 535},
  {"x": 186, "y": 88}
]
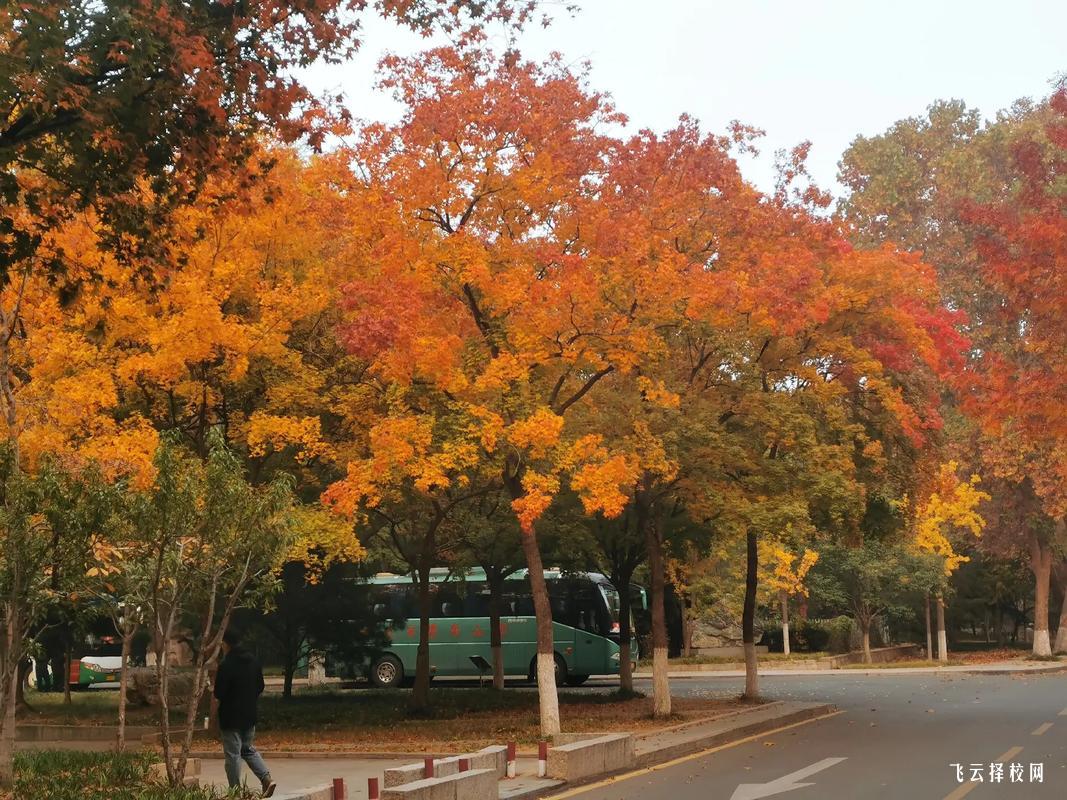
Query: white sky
[{"x": 824, "y": 70}]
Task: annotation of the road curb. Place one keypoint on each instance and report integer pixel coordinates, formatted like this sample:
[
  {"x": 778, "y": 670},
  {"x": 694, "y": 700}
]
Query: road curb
[
  {"x": 325, "y": 755},
  {"x": 734, "y": 734},
  {"x": 712, "y": 741}
]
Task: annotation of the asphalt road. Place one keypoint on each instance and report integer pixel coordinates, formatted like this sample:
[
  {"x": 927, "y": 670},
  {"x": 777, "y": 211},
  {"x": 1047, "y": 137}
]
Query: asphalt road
[{"x": 898, "y": 736}]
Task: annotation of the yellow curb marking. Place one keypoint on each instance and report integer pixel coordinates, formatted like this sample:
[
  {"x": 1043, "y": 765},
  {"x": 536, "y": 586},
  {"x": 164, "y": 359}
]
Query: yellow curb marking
[
  {"x": 1040, "y": 729},
  {"x": 967, "y": 788},
  {"x": 682, "y": 759}
]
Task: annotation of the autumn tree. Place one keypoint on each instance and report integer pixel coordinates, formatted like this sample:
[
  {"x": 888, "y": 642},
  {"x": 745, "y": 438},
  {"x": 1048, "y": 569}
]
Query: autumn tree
[
  {"x": 104, "y": 99},
  {"x": 469, "y": 289}
]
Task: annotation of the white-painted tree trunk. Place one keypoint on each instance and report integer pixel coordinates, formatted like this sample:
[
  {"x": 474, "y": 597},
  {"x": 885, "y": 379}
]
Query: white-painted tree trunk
[
  {"x": 1041, "y": 566},
  {"x": 751, "y": 672},
  {"x": 1061, "y": 631},
  {"x": 929, "y": 632},
  {"x": 942, "y": 636},
  {"x": 546, "y": 690},
  {"x": 785, "y": 622}
]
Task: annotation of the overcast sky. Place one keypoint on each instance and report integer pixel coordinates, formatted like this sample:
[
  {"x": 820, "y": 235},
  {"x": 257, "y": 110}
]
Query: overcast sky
[{"x": 822, "y": 70}]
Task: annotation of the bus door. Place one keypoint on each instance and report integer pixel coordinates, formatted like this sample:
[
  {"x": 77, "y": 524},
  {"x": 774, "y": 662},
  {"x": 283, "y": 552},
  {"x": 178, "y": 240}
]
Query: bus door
[
  {"x": 450, "y": 631},
  {"x": 591, "y": 624}
]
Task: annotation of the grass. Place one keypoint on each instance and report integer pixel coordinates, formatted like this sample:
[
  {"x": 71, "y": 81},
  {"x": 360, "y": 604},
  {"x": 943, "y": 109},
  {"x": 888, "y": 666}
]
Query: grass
[
  {"x": 64, "y": 775},
  {"x": 459, "y": 719},
  {"x": 763, "y": 657},
  {"x": 92, "y": 707},
  {"x": 905, "y": 663}
]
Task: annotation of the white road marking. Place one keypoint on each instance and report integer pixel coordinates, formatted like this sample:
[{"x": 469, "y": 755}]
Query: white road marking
[
  {"x": 754, "y": 791},
  {"x": 1040, "y": 729}
]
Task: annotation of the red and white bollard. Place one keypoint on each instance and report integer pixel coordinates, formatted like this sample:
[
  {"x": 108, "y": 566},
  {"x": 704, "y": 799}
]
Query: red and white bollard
[
  {"x": 464, "y": 764},
  {"x": 542, "y": 759},
  {"x": 427, "y": 767},
  {"x": 511, "y": 760},
  {"x": 339, "y": 792},
  {"x": 372, "y": 789}
]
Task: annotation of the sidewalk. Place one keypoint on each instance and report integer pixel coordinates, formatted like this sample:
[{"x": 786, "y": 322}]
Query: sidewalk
[
  {"x": 296, "y": 775},
  {"x": 297, "y": 772},
  {"x": 1000, "y": 668}
]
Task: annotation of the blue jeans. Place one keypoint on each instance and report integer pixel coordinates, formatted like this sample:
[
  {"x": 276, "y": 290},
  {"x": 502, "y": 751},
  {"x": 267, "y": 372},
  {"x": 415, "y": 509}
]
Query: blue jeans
[{"x": 237, "y": 747}]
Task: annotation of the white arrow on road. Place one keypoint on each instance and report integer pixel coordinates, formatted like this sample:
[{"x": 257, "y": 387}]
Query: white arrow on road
[{"x": 754, "y": 791}]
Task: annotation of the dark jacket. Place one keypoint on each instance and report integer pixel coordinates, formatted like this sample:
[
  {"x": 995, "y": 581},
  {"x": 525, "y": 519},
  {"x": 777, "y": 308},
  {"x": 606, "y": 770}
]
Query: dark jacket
[{"x": 238, "y": 685}]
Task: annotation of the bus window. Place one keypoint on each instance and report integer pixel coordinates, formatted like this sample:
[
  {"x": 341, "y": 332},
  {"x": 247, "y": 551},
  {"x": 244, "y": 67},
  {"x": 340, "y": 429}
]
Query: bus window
[
  {"x": 447, "y": 603},
  {"x": 478, "y": 599},
  {"x": 517, "y": 599}
]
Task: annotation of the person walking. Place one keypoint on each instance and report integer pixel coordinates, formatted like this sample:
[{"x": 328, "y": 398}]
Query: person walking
[{"x": 238, "y": 685}]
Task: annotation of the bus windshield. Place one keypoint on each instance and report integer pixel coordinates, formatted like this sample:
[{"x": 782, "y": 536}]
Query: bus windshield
[{"x": 611, "y": 597}]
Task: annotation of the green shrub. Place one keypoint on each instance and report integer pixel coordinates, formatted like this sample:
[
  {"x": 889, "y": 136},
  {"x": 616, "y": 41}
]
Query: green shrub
[
  {"x": 828, "y": 635},
  {"x": 61, "y": 775}
]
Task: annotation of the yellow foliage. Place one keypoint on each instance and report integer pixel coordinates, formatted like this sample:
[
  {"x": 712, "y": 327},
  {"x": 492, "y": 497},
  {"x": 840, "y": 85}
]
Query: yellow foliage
[
  {"x": 778, "y": 570},
  {"x": 323, "y": 539},
  {"x": 272, "y": 432},
  {"x": 538, "y": 433},
  {"x": 953, "y": 505},
  {"x": 539, "y": 489}
]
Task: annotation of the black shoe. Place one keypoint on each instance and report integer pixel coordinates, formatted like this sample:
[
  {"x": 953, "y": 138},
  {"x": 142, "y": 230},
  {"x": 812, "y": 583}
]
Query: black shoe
[{"x": 268, "y": 787}]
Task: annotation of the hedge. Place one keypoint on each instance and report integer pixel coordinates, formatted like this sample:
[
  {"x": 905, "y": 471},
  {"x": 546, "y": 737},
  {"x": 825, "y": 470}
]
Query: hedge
[{"x": 64, "y": 775}]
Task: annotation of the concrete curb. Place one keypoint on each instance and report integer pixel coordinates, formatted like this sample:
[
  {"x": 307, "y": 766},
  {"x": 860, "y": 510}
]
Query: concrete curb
[
  {"x": 1052, "y": 668},
  {"x": 664, "y": 754},
  {"x": 734, "y": 734},
  {"x": 324, "y": 755}
]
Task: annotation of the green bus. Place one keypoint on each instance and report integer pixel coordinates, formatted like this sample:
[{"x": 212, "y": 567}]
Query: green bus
[{"x": 585, "y": 630}]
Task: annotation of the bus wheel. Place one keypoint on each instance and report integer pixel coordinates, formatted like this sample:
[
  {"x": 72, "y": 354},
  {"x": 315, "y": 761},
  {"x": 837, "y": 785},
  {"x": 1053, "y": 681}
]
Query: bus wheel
[
  {"x": 576, "y": 680},
  {"x": 561, "y": 670},
  {"x": 387, "y": 672}
]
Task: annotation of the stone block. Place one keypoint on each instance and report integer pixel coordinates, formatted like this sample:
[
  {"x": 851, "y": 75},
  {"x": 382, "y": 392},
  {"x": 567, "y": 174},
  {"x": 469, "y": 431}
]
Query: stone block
[
  {"x": 494, "y": 757},
  {"x": 587, "y": 758},
  {"x": 472, "y": 785}
]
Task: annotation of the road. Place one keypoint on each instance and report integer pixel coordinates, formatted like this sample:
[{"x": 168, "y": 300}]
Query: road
[{"x": 898, "y": 736}]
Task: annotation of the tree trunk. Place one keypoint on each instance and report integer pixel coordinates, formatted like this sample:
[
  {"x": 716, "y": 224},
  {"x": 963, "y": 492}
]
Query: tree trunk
[
  {"x": 20, "y": 685},
  {"x": 865, "y": 629},
  {"x": 124, "y": 674},
  {"x": 1061, "y": 630},
  {"x": 661, "y": 685},
  {"x": 929, "y": 632},
  {"x": 288, "y": 673},
  {"x": 10, "y": 651},
  {"x": 748, "y": 619},
  {"x": 942, "y": 636},
  {"x": 1041, "y": 566},
  {"x": 546, "y": 654},
  {"x": 784, "y": 598},
  {"x": 495, "y": 640},
  {"x": 420, "y": 695},
  {"x": 68, "y": 664},
  {"x": 626, "y": 671}
]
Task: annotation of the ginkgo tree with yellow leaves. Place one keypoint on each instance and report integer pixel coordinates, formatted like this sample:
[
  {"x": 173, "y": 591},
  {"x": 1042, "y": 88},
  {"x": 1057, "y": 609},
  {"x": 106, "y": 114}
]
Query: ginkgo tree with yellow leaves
[
  {"x": 951, "y": 509},
  {"x": 784, "y": 574}
]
